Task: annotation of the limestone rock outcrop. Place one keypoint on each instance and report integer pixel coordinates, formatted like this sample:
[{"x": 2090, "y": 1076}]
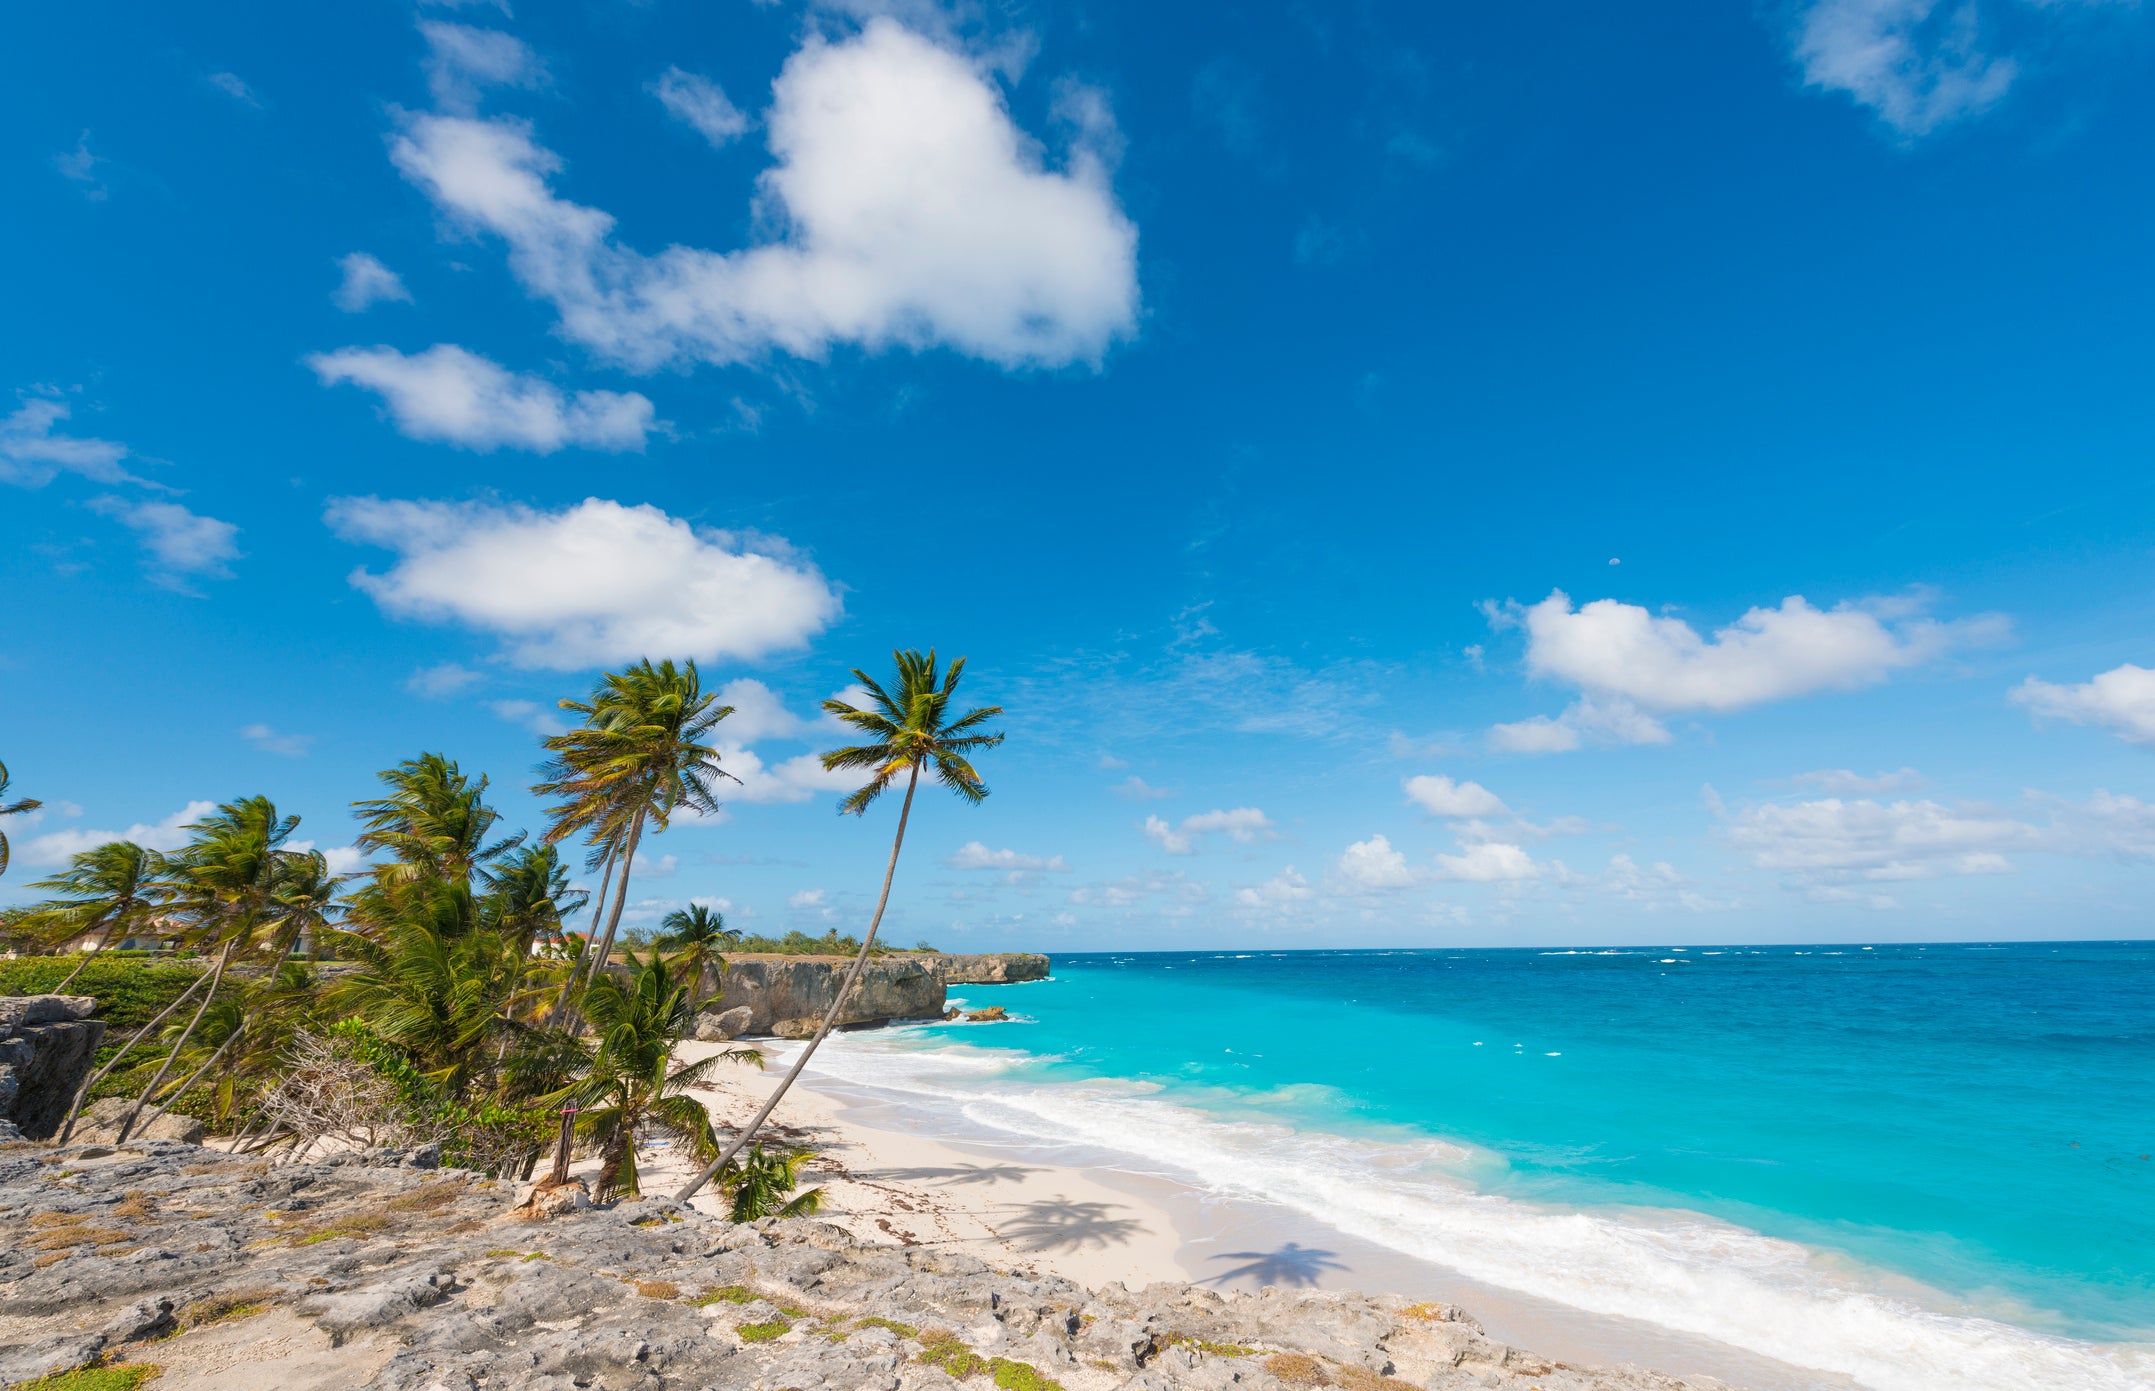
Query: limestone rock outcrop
[
  {"x": 993, "y": 968},
  {"x": 720, "y": 1025},
  {"x": 46, "y": 1044},
  {"x": 100, "y": 1123},
  {"x": 244, "y": 1271},
  {"x": 775, "y": 988}
]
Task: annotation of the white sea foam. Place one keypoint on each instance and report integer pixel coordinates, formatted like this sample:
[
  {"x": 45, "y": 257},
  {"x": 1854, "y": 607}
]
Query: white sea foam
[{"x": 1680, "y": 1270}]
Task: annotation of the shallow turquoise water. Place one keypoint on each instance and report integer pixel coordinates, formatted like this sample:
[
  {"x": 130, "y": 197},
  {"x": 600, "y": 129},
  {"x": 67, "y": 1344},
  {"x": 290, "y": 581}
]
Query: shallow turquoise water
[{"x": 1962, "y": 1129}]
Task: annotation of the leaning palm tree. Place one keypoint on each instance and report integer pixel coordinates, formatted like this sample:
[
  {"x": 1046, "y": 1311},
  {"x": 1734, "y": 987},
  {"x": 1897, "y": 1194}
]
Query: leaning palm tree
[
  {"x": 696, "y": 935},
  {"x": 224, "y": 885},
  {"x": 433, "y": 821},
  {"x": 110, "y": 890},
  {"x": 631, "y": 1083},
  {"x": 12, "y": 809},
  {"x": 638, "y": 758},
  {"x": 909, "y": 728}
]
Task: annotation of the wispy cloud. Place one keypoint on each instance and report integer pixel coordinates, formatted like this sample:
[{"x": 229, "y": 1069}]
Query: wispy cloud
[
  {"x": 181, "y": 545},
  {"x": 271, "y": 741}
]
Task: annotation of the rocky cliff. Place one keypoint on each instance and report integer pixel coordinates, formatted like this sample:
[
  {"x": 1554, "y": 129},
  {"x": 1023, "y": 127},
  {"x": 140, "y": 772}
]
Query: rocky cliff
[
  {"x": 994, "y": 968},
  {"x": 781, "y": 990},
  {"x": 786, "y": 995},
  {"x": 231, "y": 1274},
  {"x": 46, "y": 1043}
]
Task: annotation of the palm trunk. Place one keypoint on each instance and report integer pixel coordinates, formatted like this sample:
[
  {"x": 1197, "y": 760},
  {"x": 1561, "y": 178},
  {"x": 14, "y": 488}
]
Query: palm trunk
[
  {"x": 173, "y": 1099},
  {"x": 223, "y": 959},
  {"x": 830, "y": 1016},
  {"x": 568, "y": 987},
  {"x": 621, "y": 896},
  {"x": 102, "y": 943},
  {"x": 67, "y": 1127}
]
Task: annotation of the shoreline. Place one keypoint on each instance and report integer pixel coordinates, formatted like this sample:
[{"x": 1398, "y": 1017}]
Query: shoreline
[{"x": 892, "y": 1173}]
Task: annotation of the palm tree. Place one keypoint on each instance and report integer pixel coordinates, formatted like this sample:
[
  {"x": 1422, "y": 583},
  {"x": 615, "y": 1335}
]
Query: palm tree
[
  {"x": 758, "y": 1182},
  {"x": 630, "y": 1082},
  {"x": 434, "y": 821},
  {"x": 12, "y": 809},
  {"x": 638, "y": 758},
  {"x": 908, "y": 728},
  {"x": 111, "y": 890},
  {"x": 696, "y": 935},
  {"x": 224, "y": 884}
]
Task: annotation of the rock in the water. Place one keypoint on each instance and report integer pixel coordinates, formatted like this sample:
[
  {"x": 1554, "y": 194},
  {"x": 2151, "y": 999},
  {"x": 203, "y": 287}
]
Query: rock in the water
[
  {"x": 46, "y": 1044},
  {"x": 993, "y": 1014},
  {"x": 100, "y": 1123},
  {"x": 719, "y": 1026}
]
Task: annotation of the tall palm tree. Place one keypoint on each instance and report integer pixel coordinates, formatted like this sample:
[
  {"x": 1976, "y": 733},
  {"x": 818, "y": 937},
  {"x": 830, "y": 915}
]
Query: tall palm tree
[
  {"x": 638, "y": 758},
  {"x": 12, "y": 809},
  {"x": 631, "y": 1083},
  {"x": 223, "y": 884},
  {"x": 433, "y": 821},
  {"x": 758, "y": 1184},
  {"x": 908, "y": 728},
  {"x": 110, "y": 890},
  {"x": 696, "y": 935}
]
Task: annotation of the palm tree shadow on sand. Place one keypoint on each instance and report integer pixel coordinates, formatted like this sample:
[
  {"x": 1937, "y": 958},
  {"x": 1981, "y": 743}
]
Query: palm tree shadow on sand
[
  {"x": 956, "y": 1175},
  {"x": 1057, "y": 1224},
  {"x": 1292, "y": 1264}
]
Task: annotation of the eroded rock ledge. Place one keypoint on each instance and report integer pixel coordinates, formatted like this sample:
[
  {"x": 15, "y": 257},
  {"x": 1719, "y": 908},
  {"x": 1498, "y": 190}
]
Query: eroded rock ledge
[
  {"x": 229, "y": 1272},
  {"x": 786, "y": 995}
]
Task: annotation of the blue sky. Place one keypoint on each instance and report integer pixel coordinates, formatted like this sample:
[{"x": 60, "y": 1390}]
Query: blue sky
[{"x": 1413, "y": 474}]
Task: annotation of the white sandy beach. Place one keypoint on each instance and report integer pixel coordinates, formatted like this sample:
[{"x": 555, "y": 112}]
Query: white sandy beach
[{"x": 1013, "y": 1204}]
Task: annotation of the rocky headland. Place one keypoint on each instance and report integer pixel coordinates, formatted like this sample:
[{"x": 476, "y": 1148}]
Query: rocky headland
[
  {"x": 786, "y": 996},
  {"x": 379, "y": 1271}
]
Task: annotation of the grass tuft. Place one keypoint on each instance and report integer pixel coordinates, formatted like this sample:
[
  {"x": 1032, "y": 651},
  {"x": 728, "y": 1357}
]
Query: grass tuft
[
  {"x": 657, "y": 1289},
  {"x": 123, "y": 1377},
  {"x": 764, "y": 1332},
  {"x": 942, "y": 1348},
  {"x": 727, "y": 1294},
  {"x": 1297, "y": 1369},
  {"x": 1020, "y": 1376},
  {"x": 224, "y": 1308}
]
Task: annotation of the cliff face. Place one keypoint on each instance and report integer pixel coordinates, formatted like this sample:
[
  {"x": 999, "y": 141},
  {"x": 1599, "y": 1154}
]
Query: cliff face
[
  {"x": 46, "y": 1043},
  {"x": 778, "y": 989},
  {"x": 994, "y": 968}
]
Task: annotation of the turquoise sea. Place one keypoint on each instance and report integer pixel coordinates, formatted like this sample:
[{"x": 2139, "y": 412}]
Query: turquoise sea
[{"x": 1923, "y": 1167}]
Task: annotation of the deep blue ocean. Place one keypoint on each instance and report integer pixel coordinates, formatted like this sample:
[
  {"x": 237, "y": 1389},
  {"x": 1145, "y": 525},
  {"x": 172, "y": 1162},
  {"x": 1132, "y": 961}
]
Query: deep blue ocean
[{"x": 1921, "y": 1166}]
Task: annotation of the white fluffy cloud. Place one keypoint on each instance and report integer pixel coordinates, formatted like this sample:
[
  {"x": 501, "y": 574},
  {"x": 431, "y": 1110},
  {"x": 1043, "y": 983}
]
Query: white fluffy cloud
[
  {"x": 1280, "y": 892},
  {"x": 590, "y": 585},
  {"x": 976, "y": 855},
  {"x": 1373, "y": 866},
  {"x": 367, "y": 282},
  {"x": 463, "y": 61},
  {"x": 1244, "y": 824},
  {"x": 1832, "y": 843},
  {"x": 699, "y": 103},
  {"x": 181, "y": 544},
  {"x": 1440, "y": 796},
  {"x": 2121, "y": 700},
  {"x": 1630, "y": 665},
  {"x": 454, "y": 396},
  {"x": 1918, "y": 64},
  {"x": 1490, "y": 862},
  {"x": 914, "y": 213},
  {"x": 758, "y": 713},
  {"x": 56, "y": 847},
  {"x": 1842, "y": 783},
  {"x": 33, "y": 453},
  {"x": 270, "y": 740},
  {"x": 1589, "y": 719}
]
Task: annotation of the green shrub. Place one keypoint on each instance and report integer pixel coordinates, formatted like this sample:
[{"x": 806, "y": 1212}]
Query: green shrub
[
  {"x": 129, "y": 992},
  {"x": 1020, "y": 1376}
]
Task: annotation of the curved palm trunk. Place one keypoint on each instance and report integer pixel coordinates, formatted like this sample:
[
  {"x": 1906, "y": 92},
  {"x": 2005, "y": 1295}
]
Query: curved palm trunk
[
  {"x": 621, "y": 898},
  {"x": 174, "y": 1098},
  {"x": 67, "y": 1127},
  {"x": 102, "y": 943},
  {"x": 224, "y": 959},
  {"x": 830, "y": 1016},
  {"x": 576, "y": 968}
]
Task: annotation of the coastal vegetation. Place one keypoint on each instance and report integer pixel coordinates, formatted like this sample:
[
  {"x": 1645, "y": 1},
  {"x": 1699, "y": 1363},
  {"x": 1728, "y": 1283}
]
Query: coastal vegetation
[{"x": 438, "y": 995}]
